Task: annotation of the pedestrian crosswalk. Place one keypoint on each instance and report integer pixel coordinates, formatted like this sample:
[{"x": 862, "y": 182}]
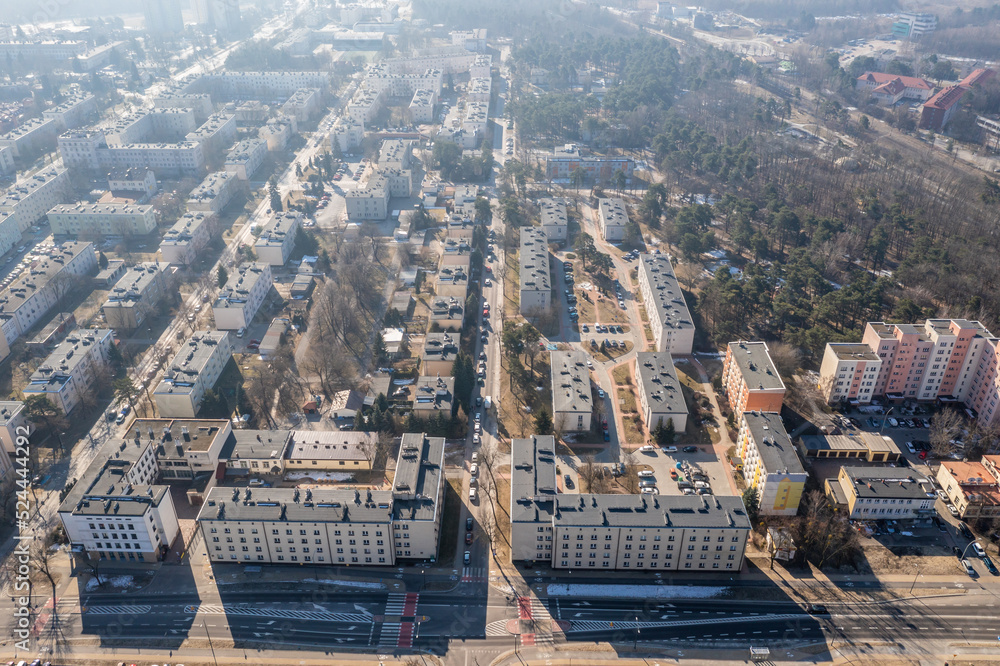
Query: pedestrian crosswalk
[
  {"x": 117, "y": 610},
  {"x": 498, "y": 628},
  {"x": 277, "y": 613},
  {"x": 475, "y": 574},
  {"x": 398, "y": 627}
]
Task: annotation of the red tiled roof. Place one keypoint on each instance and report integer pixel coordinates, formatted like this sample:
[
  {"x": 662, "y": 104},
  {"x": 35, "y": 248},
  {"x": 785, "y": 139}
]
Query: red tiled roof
[
  {"x": 946, "y": 98},
  {"x": 893, "y": 87},
  {"x": 976, "y": 77},
  {"x": 880, "y": 78}
]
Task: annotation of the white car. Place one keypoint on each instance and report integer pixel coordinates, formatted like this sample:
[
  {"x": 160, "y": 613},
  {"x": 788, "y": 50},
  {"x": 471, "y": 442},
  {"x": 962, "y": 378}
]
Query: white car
[
  {"x": 952, "y": 510},
  {"x": 478, "y": 428},
  {"x": 978, "y": 550},
  {"x": 473, "y": 495},
  {"x": 240, "y": 333},
  {"x": 474, "y": 470},
  {"x": 645, "y": 473},
  {"x": 487, "y": 282},
  {"x": 475, "y": 456},
  {"x": 652, "y": 490},
  {"x": 670, "y": 449},
  {"x": 600, "y": 393},
  {"x": 648, "y": 448},
  {"x": 893, "y": 422}
]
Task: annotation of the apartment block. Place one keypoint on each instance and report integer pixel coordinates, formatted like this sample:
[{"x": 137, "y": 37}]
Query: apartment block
[
  {"x": 73, "y": 111},
  {"x": 572, "y": 397},
  {"x": 633, "y": 532},
  {"x": 440, "y": 352},
  {"x": 142, "y": 181},
  {"x": 770, "y": 463},
  {"x": 200, "y": 103},
  {"x": 31, "y": 136},
  {"x": 555, "y": 221},
  {"x": 79, "y": 148},
  {"x": 434, "y": 397},
  {"x": 215, "y": 134},
  {"x": 448, "y": 313},
  {"x": 136, "y": 295},
  {"x": 330, "y": 450},
  {"x": 46, "y": 50},
  {"x": 972, "y": 487},
  {"x": 660, "y": 396},
  {"x": 105, "y": 219},
  {"x": 365, "y": 105},
  {"x": 115, "y": 512},
  {"x": 6, "y": 160},
  {"x": 194, "y": 370},
  {"x": 481, "y": 66},
  {"x": 303, "y": 104},
  {"x": 347, "y": 133},
  {"x": 30, "y": 297},
  {"x": 249, "y": 452},
  {"x": 883, "y": 493},
  {"x": 71, "y": 369},
  {"x": 422, "y": 105},
  {"x": 246, "y": 157},
  {"x": 242, "y": 296},
  {"x": 478, "y": 90},
  {"x": 536, "y": 288},
  {"x": 750, "y": 380},
  {"x": 277, "y": 132},
  {"x": 564, "y": 161},
  {"x": 849, "y": 371},
  {"x": 613, "y": 218},
  {"x": 395, "y": 154},
  {"x": 32, "y": 197},
  {"x": 14, "y": 423},
  {"x": 340, "y": 526},
  {"x": 276, "y": 243},
  {"x": 183, "y": 241},
  {"x": 185, "y": 449},
  {"x": 182, "y": 158},
  {"x": 370, "y": 202},
  {"x": 669, "y": 317},
  {"x": 215, "y": 192}
]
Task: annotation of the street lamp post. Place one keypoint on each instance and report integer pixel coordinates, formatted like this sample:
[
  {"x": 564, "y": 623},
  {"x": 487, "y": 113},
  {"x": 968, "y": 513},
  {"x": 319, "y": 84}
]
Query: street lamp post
[
  {"x": 885, "y": 418},
  {"x": 212, "y": 647},
  {"x": 635, "y": 642}
]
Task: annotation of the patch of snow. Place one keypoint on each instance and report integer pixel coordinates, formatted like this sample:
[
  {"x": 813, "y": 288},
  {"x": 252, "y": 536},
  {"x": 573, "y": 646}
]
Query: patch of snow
[
  {"x": 635, "y": 591},
  {"x": 114, "y": 581},
  {"x": 319, "y": 476}
]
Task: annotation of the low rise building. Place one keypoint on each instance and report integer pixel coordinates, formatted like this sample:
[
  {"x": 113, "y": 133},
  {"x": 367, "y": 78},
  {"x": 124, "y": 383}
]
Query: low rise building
[
  {"x": 478, "y": 90},
  {"x": 572, "y": 399},
  {"x": 194, "y": 370},
  {"x": 669, "y": 317},
  {"x": 30, "y": 198},
  {"x": 215, "y": 134},
  {"x": 890, "y": 88},
  {"x": 31, "y": 137},
  {"x": 241, "y": 297},
  {"x": 102, "y": 219},
  {"x": 251, "y": 452},
  {"x": 884, "y": 493},
  {"x": 185, "y": 449},
  {"x": 215, "y": 192},
  {"x": 770, "y": 463},
  {"x": 434, "y": 397},
  {"x": 972, "y": 487},
  {"x": 440, "y": 352},
  {"x": 114, "y": 512},
  {"x": 277, "y": 132},
  {"x": 750, "y": 379},
  {"x": 276, "y": 243},
  {"x": 136, "y": 295},
  {"x": 303, "y": 104},
  {"x": 330, "y": 451},
  {"x": 869, "y": 446},
  {"x": 183, "y": 241},
  {"x": 555, "y": 221},
  {"x": 566, "y": 160},
  {"x": 536, "y": 288},
  {"x": 613, "y": 218},
  {"x": 141, "y": 181},
  {"x": 370, "y": 202},
  {"x": 660, "y": 396},
  {"x": 273, "y": 338},
  {"x": 447, "y": 314},
  {"x": 71, "y": 369},
  {"x": 246, "y": 157}
]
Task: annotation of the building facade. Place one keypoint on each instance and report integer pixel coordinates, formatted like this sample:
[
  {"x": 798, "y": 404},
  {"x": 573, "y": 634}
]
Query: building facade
[
  {"x": 104, "y": 219},
  {"x": 275, "y": 244},
  {"x": 660, "y": 396},
  {"x": 669, "y": 317},
  {"x": 136, "y": 295},
  {"x": 750, "y": 379},
  {"x": 194, "y": 370},
  {"x": 770, "y": 463}
]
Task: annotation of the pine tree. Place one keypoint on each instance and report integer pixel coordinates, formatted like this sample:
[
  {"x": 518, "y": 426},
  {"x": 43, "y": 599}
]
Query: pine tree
[{"x": 222, "y": 276}]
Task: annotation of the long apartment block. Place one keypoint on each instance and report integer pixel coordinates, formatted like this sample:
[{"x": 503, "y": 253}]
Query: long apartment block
[
  {"x": 242, "y": 296},
  {"x": 669, "y": 317},
  {"x": 277, "y": 241},
  {"x": 107, "y": 219},
  {"x": 660, "y": 396},
  {"x": 617, "y": 532},
  {"x": 536, "y": 287},
  {"x": 195, "y": 369},
  {"x": 72, "y": 368},
  {"x": 572, "y": 397},
  {"x": 953, "y": 360},
  {"x": 136, "y": 295}
]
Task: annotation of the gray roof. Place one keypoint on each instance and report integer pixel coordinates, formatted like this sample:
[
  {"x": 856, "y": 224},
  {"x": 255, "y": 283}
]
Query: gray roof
[
  {"x": 132, "y": 286},
  {"x": 570, "y": 382},
  {"x": 856, "y": 351},
  {"x": 613, "y": 212},
  {"x": 191, "y": 359},
  {"x": 891, "y": 482},
  {"x": 440, "y": 346},
  {"x": 329, "y": 445},
  {"x": 659, "y": 382},
  {"x": 256, "y": 445},
  {"x": 773, "y": 444},
  {"x": 61, "y": 364},
  {"x": 281, "y": 228},
  {"x": 754, "y": 362},
  {"x": 38, "y": 276},
  {"x": 419, "y": 478},
  {"x": 239, "y": 285},
  {"x": 171, "y": 438},
  {"x": 436, "y": 393},
  {"x": 104, "y": 488},
  {"x": 321, "y": 505},
  {"x": 669, "y": 307},
  {"x": 553, "y": 212},
  {"x": 534, "y": 260},
  {"x": 532, "y": 478},
  {"x": 184, "y": 228},
  {"x": 642, "y": 511}
]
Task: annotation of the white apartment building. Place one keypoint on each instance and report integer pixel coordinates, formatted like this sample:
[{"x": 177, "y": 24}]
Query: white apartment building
[
  {"x": 347, "y": 133},
  {"x": 770, "y": 463},
  {"x": 215, "y": 134},
  {"x": 277, "y": 132},
  {"x": 885, "y": 493},
  {"x": 71, "y": 369},
  {"x": 660, "y": 396},
  {"x": 33, "y": 135},
  {"x": 184, "y": 157},
  {"x": 151, "y": 125},
  {"x": 370, "y": 202},
  {"x": 79, "y": 148},
  {"x": 849, "y": 371},
  {"x": 276, "y": 243},
  {"x": 73, "y": 111},
  {"x": 136, "y": 295},
  {"x": 478, "y": 90},
  {"x": 343, "y": 526},
  {"x": 42, "y": 50},
  {"x": 140, "y": 180},
  {"x": 183, "y": 241},
  {"x": 194, "y": 370},
  {"x": 14, "y": 423},
  {"x": 114, "y": 512},
  {"x": 555, "y": 220},
  {"x": 242, "y": 296},
  {"x": 215, "y": 192},
  {"x": 422, "y": 104},
  {"x": 536, "y": 287},
  {"x": 265, "y": 85},
  {"x": 200, "y": 103},
  {"x": 449, "y": 61},
  {"x": 572, "y": 396},
  {"x": 620, "y": 532},
  {"x": 6, "y": 160},
  {"x": 613, "y": 218},
  {"x": 32, "y": 197},
  {"x": 395, "y": 154},
  {"x": 365, "y": 104},
  {"x": 481, "y": 66},
  {"x": 474, "y": 123},
  {"x": 107, "y": 219},
  {"x": 246, "y": 157},
  {"x": 30, "y": 297},
  {"x": 669, "y": 317},
  {"x": 470, "y": 40},
  {"x": 303, "y": 104}
]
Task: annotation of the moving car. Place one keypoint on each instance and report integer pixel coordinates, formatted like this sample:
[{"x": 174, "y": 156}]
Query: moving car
[{"x": 467, "y": 557}]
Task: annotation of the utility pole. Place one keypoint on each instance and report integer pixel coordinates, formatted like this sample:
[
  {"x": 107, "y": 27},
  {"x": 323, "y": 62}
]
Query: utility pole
[{"x": 210, "y": 643}]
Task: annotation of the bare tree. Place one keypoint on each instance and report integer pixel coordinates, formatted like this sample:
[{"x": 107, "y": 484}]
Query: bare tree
[
  {"x": 589, "y": 473},
  {"x": 946, "y": 427},
  {"x": 787, "y": 359}
]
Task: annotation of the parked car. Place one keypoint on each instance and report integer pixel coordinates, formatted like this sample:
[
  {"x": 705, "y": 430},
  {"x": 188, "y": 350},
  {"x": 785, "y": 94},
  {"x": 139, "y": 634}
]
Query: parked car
[
  {"x": 645, "y": 473},
  {"x": 952, "y": 510},
  {"x": 967, "y": 567},
  {"x": 978, "y": 550},
  {"x": 992, "y": 568},
  {"x": 467, "y": 558},
  {"x": 568, "y": 480},
  {"x": 690, "y": 449},
  {"x": 963, "y": 527},
  {"x": 648, "y": 448},
  {"x": 468, "y": 538},
  {"x": 670, "y": 449}
]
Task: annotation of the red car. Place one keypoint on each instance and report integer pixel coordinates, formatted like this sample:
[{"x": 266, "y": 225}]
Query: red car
[
  {"x": 486, "y": 312},
  {"x": 468, "y": 538}
]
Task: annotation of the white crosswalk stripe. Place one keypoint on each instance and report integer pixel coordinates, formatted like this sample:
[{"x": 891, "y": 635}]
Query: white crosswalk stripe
[
  {"x": 117, "y": 610},
  {"x": 282, "y": 613},
  {"x": 582, "y": 626},
  {"x": 498, "y": 628},
  {"x": 395, "y": 604},
  {"x": 474, "y": 575}
]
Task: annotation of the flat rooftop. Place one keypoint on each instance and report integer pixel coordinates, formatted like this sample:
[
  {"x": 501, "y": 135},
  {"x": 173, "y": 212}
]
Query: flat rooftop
[
  {"x": 666, "y": 511},
  {"x": 659, "y": 381},
  {"x": 171, "y": 438},
  {"x": 754, "y": 362},
  {"x": 777, "y": 453},
  {"x": 570, "y": 382}
]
